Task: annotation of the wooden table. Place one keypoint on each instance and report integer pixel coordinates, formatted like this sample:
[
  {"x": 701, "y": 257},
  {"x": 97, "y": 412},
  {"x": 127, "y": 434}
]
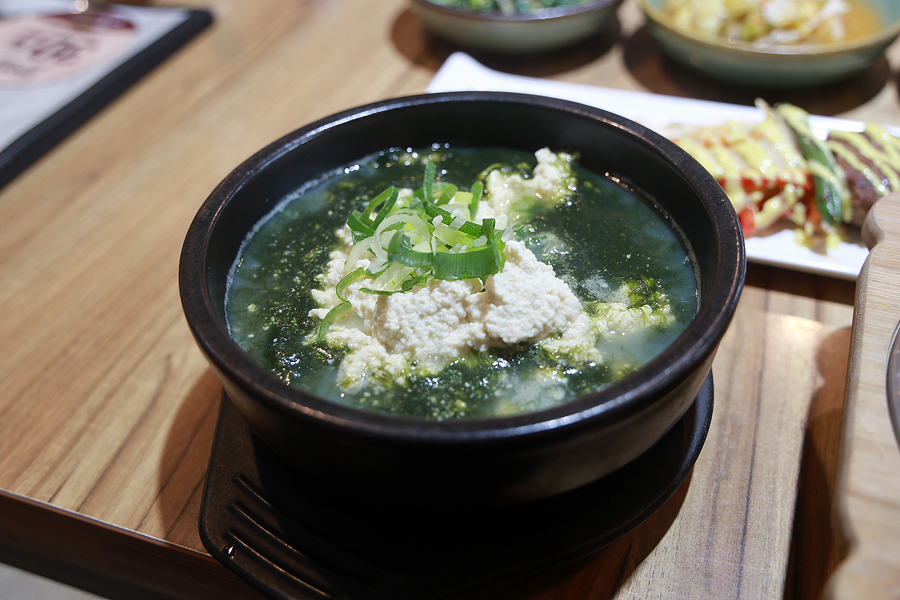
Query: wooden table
[{"x": 107, "y": 409}]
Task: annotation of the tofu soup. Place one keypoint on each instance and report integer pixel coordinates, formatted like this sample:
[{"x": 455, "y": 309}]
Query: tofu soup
[{"x": 452, "y": 283}]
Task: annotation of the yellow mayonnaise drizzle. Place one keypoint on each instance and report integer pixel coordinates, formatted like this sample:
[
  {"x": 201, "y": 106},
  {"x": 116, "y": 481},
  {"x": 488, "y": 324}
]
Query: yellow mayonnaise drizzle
[
  {"x": 761, "y": 154},
  {"x": 886, "y": 158},
  {"x": 762, "y": 169}
]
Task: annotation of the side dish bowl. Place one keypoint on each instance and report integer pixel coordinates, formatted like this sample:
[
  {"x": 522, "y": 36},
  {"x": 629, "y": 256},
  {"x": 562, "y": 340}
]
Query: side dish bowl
[
  {"x": 545, "y": 30},
  {"x": 785, "y": 66},
  {"x": 479, "y": 461}
]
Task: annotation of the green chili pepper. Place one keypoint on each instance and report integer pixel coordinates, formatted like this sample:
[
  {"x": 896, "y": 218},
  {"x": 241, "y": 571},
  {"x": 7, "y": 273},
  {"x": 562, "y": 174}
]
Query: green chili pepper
[{"x": 830, "y": 192}]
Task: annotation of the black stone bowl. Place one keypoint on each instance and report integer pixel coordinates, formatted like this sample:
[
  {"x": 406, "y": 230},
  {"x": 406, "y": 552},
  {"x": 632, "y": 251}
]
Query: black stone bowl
[{"x": 479, "y": 461}]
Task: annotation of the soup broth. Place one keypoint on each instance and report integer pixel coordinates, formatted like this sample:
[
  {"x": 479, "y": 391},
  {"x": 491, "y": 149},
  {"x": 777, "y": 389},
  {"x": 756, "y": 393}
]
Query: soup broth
[
  {"x": 860, "y": 22},
  {"x": 610, "y": 245}
]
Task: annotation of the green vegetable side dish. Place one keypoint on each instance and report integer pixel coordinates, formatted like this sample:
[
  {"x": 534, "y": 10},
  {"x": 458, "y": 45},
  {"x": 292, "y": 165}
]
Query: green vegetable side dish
[
  {"x": 452, "y": 283},
  {"x": 509, "y": 7}
]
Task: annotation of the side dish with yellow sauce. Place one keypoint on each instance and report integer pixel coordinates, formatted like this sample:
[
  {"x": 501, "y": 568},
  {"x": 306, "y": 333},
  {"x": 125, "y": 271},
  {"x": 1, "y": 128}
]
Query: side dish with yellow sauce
[
  {"x": 774, "y": 22},
  {"x": 777, "y": 170}
]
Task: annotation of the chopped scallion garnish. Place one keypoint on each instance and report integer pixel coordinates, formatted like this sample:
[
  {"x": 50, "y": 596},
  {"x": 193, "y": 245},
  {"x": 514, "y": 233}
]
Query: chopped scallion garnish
[
  {"x": 447, "y": 195},
  {"x": 477, "y": 192},
  {"x": 333, "y": 314},
  {"x": 409, "y": 240},
  {"x": 347, "y": 280}
]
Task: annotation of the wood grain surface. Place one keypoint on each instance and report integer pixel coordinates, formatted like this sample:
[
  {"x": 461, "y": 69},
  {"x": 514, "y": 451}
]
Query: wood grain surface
[
  {"x": 107, "y": 409},
  {"x": 868, "y": 491}
]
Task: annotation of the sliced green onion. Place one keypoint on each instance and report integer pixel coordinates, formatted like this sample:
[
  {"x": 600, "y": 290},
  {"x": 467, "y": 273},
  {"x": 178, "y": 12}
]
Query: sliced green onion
[
  {"x": 449, "y": 235},
  {"x": 362, "y": 224},
  {"x": 458, "y": 220},
  {"x": 408, "y": 284},
  {"x": 462, "y": 198},
  {"x": 347, "y": 280},
  {"x": 357, "y": 251},
  {"x": 377, "y": 266},
  {"x": 447, "y": 195},
  {"x": 389, "y": 203},
  {"x": 493, "y": 167},
  {"x": 414, "y": 281},
  {"x": 379, "y": 292},
  {"x": 392, "y": 277},
  {"x": 456, "y": 266},
  {"x": 374, "y": 202},
  {"x": 357, "y": 226},
  {"x": 400, "y": 220},
  {"x": 400, "y": 249},
  {"x": 473, "y": 229},
  {"x": 477, "y": 192},
  {"x": 333, "y": 314},
  {"x": 428, "y": 182}
]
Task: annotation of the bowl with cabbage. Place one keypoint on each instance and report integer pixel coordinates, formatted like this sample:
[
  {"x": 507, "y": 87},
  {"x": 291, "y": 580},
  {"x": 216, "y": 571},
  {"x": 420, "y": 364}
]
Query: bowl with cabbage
[
  {"x": 774, "y": 43},
  {"x": 515, "y": 25},
  {"x": 475, "y": 296}
]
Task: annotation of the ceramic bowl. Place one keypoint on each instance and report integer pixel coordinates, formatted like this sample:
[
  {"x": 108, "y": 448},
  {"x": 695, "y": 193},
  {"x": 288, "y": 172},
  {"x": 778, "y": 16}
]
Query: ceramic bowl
[
  {"x": 478, "y": 461},
  {"x": 546, "y": 30},
  {"x": 785, "y": 66}
]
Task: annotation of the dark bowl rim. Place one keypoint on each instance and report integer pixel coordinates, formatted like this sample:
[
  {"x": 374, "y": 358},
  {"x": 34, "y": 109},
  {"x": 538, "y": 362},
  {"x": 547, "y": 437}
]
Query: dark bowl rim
[
  {"x": 549, "y": 14},
  {"x": 614, "y": 403}
]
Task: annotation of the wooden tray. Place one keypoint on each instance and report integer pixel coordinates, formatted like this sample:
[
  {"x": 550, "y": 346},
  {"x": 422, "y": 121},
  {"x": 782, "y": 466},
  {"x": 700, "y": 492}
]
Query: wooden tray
[{"x": 867, "y": 499}]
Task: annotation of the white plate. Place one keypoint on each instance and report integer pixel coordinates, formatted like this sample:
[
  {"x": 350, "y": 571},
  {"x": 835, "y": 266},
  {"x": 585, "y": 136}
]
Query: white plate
[{"x": 461, "y": 73}]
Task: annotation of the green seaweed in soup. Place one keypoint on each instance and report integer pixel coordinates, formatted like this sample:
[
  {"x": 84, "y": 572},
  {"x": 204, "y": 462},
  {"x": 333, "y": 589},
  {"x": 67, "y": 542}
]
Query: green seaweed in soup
[{"x": 455, "y": 282}]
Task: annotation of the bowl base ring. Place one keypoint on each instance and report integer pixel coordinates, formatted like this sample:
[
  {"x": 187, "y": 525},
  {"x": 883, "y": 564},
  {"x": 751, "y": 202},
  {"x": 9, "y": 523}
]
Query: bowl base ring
[{"x": 291, "y": 539}]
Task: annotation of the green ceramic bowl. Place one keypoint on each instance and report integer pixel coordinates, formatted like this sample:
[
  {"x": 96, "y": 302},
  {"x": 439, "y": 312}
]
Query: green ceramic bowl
[
  {"x": 546, "y": 30},
  {"x": 774, "y": 66}
]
